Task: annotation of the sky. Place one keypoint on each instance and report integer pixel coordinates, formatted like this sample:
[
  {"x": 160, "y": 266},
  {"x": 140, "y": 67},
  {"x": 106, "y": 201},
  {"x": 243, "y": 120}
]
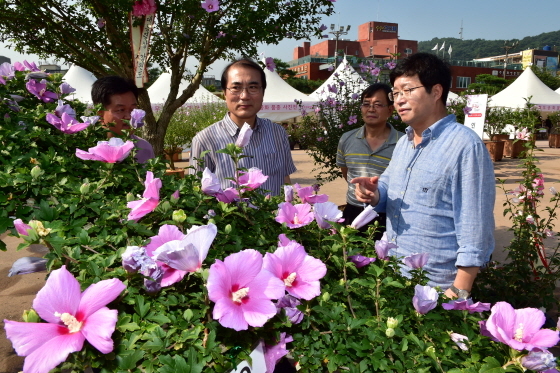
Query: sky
[{"x": 421, "y": 21}]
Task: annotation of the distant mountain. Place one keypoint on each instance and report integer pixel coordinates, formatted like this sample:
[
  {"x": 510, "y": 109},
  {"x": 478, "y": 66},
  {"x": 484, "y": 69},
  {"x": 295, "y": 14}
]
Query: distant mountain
[{"x": 479, "y": 48}]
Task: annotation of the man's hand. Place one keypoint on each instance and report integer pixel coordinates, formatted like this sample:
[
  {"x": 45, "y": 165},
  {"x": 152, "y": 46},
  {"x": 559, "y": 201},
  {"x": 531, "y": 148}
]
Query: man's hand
[{"x": 366, "y": 189}]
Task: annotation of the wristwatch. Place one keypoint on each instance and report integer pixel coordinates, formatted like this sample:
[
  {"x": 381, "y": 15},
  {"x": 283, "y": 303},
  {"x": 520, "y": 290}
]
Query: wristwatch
[{"x": 461, "y": 293}]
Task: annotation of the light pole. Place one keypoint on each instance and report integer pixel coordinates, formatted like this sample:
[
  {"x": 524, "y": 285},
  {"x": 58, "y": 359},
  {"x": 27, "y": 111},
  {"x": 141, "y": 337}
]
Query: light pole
[
  {"x": 507, "y": 48},
  {"x": 337, "y": 34}
]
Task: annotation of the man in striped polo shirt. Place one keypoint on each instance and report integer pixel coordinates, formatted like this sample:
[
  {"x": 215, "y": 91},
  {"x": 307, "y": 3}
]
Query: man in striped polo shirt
[
  {"x": 243, "y": 84},
  {"x": 366, "y": 151}
]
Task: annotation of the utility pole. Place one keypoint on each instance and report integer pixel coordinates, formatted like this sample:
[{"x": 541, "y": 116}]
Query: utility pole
[
  {"x": 461, "y": 32},
  {"x": 507, "y": 48},
  {"x": 337, "y": 35}
]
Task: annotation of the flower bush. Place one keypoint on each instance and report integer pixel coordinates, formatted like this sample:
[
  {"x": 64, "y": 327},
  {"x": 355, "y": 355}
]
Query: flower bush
[{"x": 203, "y": 281}]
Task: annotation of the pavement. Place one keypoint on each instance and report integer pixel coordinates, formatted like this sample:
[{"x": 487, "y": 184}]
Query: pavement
[{"x": 17, "y": 293}]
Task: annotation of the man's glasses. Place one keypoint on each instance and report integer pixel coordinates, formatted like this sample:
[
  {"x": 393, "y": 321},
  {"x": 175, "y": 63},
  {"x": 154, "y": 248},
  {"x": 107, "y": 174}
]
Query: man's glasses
[
  {"x": 252, "y": 90},
  {"x": 376, "y": 106},
  {"x": 405, "y": 93}
]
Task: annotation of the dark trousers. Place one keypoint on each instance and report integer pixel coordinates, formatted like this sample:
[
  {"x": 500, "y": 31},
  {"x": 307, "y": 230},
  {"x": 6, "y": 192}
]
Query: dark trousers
[{"x": 351, "y": 212}]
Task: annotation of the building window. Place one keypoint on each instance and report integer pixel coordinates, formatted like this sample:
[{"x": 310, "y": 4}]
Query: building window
[
  {"x": 371, "y": 30},
  {"x": 371, "y": 51},
  {"x": 463, "y": 81},
  {"x": 388, "y": 50}
]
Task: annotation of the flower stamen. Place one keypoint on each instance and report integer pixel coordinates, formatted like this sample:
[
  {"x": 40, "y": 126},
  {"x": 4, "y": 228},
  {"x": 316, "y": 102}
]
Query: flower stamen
[
  {"x": 518, "y": 336},
  {"x": 70, "y": 321},
  {"x": 288, "y": 281},
  {"x": 237, "y": 296}
]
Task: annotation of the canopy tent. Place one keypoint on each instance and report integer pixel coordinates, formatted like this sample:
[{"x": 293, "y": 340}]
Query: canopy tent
[
  {"x": 525, "y": 86},
  {"x": 278, "y": 102},
  {"x": 557, "y": 91},
  {"x": 345, "y": 73},
  {"x": 81, "y": 80},
  {"x": 159, "y": 91}
]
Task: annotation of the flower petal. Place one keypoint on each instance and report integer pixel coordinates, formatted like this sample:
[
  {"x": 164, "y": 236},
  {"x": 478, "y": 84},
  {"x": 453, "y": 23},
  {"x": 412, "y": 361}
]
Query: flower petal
[
  {"x": 27, "y": 337},
  {"x": 99, "y": 327},
  {"x": 52, "y": 353},
  {"x": 97, "y": 296},
  {"x": 202, "y": 237},
  {"x": 243, "y": 266},
  {"x": 230, "y": 314},
  {"x": 61, "y": 294},
  {"x": 219, "y": 283},
  {"x": 166, "y": 233},
  {"x": 258, "y": 311}
]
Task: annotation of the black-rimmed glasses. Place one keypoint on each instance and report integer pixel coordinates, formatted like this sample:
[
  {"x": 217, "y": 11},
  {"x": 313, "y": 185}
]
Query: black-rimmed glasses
[{"x": 405, "y": 93}]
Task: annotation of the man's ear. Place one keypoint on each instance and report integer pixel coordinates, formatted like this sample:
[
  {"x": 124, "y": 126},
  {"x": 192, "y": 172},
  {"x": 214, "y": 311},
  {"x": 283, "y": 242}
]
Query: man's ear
[{"x": 437, "y": 91}]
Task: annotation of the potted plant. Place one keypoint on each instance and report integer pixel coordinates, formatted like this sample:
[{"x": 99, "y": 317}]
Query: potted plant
[
  {"x": 179, "y": 133},
  {"x": 496, "y": 120},
  {"x": 554, "y": 136}
]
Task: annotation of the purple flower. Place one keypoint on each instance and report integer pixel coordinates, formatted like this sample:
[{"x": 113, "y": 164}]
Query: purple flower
[
  {"x": 62, "y": 108},
  {"x": 66, "y": 88},
  {"x": 211, "y": 5},
  {"x": 294, "y": 216},
  {"x": 7, "y": 71},
  {"x": 112, "y": 151},
  {"x": 288, "y": 193},
  {"x": 244, "y": 136},
  {"x": 149, "y": 201},
  {"x": 167, "y": 233},
  {"x": 221, "y": 34},
  {"x": 466, "y": 305},
  {"x": 269, "y": 62},
  {"x": 135, "y": 259},
  {"x": 326, "y": 212},
  {"x": 332, "y": 88},
  {"x": 289, "y": 304},
  {"x": 143, "y": 7},
  {"x": 251, "y": 179},
  {"x": 242, "y": 290},
  {"x": 391, "y": 65},
  {"x": 26, "y": 265},
  {"x": 67, "y": 124},
  {"x": 153, "y": 280},
  {"x": 352, "y": 119},
  {"x": 416, "y": 261},
  {"x": 360, "y": 260},
  {"x": 101, "y": 23},
  {"x": 425, "y": 299},
  {"x": 355, "y": 96},
  {"x": 299, "y": 272},
  {"x": 227, "y": 195},
  {"x": 39, "y": 89},
  {"x": 210, "y": 184},
  {"x": 72, "y": 317},
  {"x": 273, "y": 354},
  {"x": 137, "y": 118},
  {"x": 307, "y": 195},
  {"x": 383, "y": 246},
  {"x": 539, "y": 360},
  {"x": 21, "y": 227},
  {"x": 323, "y": 27},
  {"x": 459, "y": 340},
  {"x": 364, "y": 217},
  {"x": 520, "y": 329}
]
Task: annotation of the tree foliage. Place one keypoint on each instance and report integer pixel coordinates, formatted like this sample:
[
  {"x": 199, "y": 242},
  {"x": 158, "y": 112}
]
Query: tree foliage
[
  {"x": 489, "y": 84},
  {"x": 546, "y": 76},
  {"x": 69, "y": 30},
  {"x": 478, "y": 48}
]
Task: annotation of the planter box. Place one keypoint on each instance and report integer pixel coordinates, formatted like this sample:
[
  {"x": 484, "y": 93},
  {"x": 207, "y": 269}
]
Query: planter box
[
  {"x": 554, "y": 140},
  {"x": 178, "y": 172},
  {"x": 513, "y": 149},
  {"x": 500, "y": 137},
  {"x": 496, "y": 149}
]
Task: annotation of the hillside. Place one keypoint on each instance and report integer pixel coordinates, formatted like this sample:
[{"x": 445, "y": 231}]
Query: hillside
[{"x": 478, "y": 48}]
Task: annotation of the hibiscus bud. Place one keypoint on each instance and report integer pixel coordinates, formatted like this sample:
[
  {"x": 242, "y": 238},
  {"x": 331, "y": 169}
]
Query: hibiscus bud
[
  {"x": 392, "y": 322},
  {"x": 390, "y": 332},
  {"x": 244, "y": 136},
  {"x": 36, "y": 172},
  {"x": 84, "y": 189},
  {"x": 179, "y": 216},
  {"x": 553, "y": 191},
  {"x": 130, "y": 197},
  {"x": 30, "y": 316},
  {"x": 539, "y": 360},
  {"x": 326, "y": 296},
  {"x": 227, "y": 229}
]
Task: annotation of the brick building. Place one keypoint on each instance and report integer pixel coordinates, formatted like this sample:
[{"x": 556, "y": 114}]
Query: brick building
[{"x": 379, "y": 40}]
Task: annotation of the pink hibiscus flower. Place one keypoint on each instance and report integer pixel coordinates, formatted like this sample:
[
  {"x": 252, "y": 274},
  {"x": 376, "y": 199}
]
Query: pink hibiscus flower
[
  {"x": 112, "y": 151},
  {"x": 299, "y": 272},
  {"x": 294, "y": 216},
  {"x": 211, "y": 5},
  {"x": 149, "y": 201},
  {"x": 72, "y": 317},
  {"x": 242, "y": 290},
  {"x": 251, "y": 179}
]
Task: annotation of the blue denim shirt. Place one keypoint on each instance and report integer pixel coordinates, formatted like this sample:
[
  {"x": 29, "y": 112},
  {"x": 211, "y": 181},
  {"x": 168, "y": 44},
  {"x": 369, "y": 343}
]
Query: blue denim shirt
[{"x": 439, "y": 198}]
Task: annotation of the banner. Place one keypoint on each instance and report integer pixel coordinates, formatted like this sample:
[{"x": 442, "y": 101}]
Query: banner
[
  {"x": 282, "y": 107},
  {"x": 475, "y": 113},
  {"x": 140, "y": 41}
]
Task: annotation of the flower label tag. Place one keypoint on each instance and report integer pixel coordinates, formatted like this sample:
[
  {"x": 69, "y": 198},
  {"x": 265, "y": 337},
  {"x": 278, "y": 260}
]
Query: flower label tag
[{"x": 258, "y": 365}]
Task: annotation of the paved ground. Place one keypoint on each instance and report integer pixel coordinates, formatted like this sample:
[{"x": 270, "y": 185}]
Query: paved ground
[{"x": 17, "y": 293}]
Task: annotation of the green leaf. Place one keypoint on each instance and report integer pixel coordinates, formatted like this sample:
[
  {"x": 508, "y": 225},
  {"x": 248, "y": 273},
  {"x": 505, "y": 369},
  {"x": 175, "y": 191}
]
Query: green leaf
[
  {"x": 160, "y": 319},
  {"x": 492, "y": 366},
  {"x": 128, "y": 359}
]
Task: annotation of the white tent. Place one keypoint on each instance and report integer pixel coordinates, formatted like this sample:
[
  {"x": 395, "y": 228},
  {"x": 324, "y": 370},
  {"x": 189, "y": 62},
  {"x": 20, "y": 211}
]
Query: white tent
[
  {"x": 159, "y": 91},
  {"x": 81, "y": 80},
  {"x": 345, "y": 73},
  {"x": 525, "y": 86},
  {"x": 279, "y": 96},
  {"x": 558, "y": 90},
  {"x": 451, "y": 97}
]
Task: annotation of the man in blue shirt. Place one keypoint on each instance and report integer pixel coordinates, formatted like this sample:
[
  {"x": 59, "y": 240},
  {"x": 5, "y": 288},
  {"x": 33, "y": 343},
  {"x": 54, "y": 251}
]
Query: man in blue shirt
[{"x": 439, "y": 188}]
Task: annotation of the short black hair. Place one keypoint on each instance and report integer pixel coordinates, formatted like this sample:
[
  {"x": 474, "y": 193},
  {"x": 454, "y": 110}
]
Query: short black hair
[
  {"x": 372, "y": 89},
  {"x": 105, "y": 88},
  {"x": 245, "y": 62},
  {"x": 431, "y": 70}
]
